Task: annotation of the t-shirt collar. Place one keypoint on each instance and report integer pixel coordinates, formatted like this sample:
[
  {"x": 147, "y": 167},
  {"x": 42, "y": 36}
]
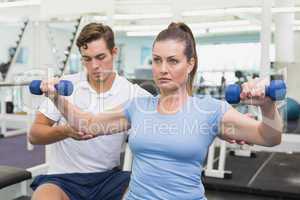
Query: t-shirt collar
[{"x": 84, "y": 84}]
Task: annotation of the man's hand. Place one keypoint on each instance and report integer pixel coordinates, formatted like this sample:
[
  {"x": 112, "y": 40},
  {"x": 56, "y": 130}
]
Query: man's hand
[
  {"x": 240, "y": 142},
  {"x": 70, "y": 132}
]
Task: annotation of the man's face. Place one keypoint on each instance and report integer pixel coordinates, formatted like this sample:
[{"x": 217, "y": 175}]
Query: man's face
[{"x": 98, "y": 60}]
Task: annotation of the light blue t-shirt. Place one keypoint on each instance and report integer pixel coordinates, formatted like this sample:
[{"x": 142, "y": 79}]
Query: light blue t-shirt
[{"x": 169, "y": 150}]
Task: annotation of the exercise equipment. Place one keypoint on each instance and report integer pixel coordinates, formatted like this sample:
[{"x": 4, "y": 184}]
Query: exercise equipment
[
  {"x": 13, "y": 115},
  {"x": 276, "y": 91},
  {"x": 219, "y": 171},
  {"x": 64, "y": 87},
  {"x": 241, "y": 76},
  {"x": 14, "y": 52}
]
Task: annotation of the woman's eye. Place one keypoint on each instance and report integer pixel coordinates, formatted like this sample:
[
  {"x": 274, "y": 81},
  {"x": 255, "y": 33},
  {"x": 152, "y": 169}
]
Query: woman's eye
[
  {"x": 173, "y": 61},
  {"x": 156, "y": 60}
]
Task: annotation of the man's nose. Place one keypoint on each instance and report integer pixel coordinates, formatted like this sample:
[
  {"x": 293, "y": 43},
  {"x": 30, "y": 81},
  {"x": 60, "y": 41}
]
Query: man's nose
[{"x": 95, "y": 63}]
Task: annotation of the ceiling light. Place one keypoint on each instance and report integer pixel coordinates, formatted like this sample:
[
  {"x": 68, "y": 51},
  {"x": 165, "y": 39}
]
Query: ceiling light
[
  {"x": 143, "y": 16},
  {"x": 139, "y": 27},
  {"x": 219, "y": 24},
  {"x": 155, "y": 33},
  {"x": 234, "y": 11},
  {"x": 20, "y": 3},
  {"x": 252, "y": 28},
  {"x": 141, "y": 33},
  {"x": 225, "y": 11}
]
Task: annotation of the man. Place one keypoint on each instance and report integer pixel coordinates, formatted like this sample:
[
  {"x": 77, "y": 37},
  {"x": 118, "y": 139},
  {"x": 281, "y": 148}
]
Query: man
[{"x": 80, "y": 166}]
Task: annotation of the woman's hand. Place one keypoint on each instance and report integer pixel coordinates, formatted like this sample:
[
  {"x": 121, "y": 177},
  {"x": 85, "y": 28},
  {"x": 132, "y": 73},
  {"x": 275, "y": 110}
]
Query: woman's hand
[
  {"x": 253, "y": 92},
  {"x": 266, "y": 132}
]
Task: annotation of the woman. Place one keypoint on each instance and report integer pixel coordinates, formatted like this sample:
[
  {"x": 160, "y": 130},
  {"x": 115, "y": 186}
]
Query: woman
[{"x": 170, "y": 134}]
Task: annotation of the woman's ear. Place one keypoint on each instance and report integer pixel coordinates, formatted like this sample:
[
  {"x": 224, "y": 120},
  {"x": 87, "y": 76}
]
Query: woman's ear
[{"x": 191, "y": 65}]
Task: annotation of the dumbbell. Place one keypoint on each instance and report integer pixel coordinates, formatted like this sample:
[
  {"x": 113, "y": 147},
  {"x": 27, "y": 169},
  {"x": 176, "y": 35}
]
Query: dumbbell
[
  {"x": 64, "y": 87},
  {"x": 276, "y": 91}
]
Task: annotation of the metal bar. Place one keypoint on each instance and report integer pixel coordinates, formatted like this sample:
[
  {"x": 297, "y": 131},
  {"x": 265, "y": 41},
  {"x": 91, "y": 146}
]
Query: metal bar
[{"x": 10, "y": 84}]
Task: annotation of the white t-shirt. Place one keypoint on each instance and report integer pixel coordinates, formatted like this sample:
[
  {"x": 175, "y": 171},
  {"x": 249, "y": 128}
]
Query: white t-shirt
[{"x": 98, "y": 154}]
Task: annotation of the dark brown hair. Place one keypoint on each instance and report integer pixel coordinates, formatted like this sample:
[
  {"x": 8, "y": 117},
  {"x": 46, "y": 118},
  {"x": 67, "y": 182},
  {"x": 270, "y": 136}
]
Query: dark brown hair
[
  {"x": 95, "y": 31},
  {"x": 181, "y": 32}
]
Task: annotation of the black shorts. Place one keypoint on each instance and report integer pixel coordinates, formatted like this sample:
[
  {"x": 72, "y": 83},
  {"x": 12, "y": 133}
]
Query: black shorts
[{"x": 109, "y": 185}]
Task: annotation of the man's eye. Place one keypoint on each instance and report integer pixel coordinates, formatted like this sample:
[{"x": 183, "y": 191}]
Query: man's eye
[
  {"x": 100, "y": 57},
  {"x": 87, "y": 59}
]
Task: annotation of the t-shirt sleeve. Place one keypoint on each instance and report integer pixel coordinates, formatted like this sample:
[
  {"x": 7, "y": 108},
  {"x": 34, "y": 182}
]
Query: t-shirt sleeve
[
  {"x": 49, "y": 110},
  {"x": 140, "y": 92},
  {"x": 129, "y": 109},
  {"x": 220, "y": 107},
  {"x": 134, "y": 106},
  {"x": 136, "y": 97}
]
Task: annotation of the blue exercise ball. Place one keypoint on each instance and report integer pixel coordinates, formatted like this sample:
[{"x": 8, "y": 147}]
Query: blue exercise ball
[{"x": 292, "y": 109}]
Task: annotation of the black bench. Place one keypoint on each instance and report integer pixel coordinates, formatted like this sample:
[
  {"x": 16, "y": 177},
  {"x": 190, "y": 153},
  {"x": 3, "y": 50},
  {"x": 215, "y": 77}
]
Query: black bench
[
  {"x": 23, "y": 198},
  {"x": 12, "y": 175}
]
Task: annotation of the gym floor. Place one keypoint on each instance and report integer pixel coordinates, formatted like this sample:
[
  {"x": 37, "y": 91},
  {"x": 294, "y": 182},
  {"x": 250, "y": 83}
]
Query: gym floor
[
  {"x": 220, "y": 195},
  {"x": 19, "y": 156},
  {"x": 268, "y": 173}
]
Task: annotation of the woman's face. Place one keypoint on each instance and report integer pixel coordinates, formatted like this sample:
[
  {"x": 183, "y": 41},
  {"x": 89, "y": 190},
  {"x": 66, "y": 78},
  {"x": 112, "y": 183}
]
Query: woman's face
[{"x": 170, "y": 66}]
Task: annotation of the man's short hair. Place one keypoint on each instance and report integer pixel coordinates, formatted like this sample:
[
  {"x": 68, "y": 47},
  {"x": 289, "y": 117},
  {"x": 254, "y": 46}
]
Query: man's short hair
[{"x": 95, "y": 31}]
